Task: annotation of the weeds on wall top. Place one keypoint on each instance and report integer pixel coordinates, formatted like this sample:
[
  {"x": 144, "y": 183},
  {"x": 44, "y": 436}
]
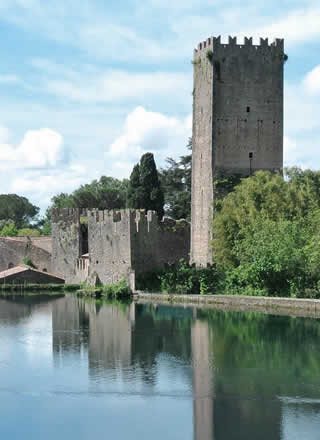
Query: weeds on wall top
[
  {"x": 209, "y": 55},
  {"x": 197, "y": 60}
]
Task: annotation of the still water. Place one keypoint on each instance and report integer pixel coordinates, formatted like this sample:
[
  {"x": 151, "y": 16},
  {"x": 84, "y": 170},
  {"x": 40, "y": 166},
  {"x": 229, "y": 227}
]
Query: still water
[{"x": 76, "y": 369}]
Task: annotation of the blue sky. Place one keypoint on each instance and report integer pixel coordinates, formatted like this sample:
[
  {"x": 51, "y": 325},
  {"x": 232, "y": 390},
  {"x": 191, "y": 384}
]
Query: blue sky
[{"x": 88, "y": 86}]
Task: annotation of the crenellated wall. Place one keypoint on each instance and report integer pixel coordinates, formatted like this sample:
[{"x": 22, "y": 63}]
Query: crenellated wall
[{"x": 237, "y": 110}]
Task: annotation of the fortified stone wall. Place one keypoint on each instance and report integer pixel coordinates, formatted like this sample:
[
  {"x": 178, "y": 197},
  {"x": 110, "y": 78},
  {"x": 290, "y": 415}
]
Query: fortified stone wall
[
  {"x": 237, "y": 113},
  {"x": 66, "y": 239},
  {"x": 13, "y": 250}
]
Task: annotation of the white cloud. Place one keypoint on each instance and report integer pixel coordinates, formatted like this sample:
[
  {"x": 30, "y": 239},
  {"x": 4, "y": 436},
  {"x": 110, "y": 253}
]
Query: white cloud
[
  {"x": 312, "y": 81},
  {"x": 299, "y": 25},
  {"x": 40, "y": 186},
  {"x": 302, "y": 124},
  {"x": 113, "y": 86},
  {"x": 149, "y": 131},
  {"x": 39, "y": 149}
]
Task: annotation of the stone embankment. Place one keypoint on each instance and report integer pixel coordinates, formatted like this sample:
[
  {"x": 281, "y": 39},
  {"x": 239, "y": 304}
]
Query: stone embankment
[{"x": 272, "y": 305}]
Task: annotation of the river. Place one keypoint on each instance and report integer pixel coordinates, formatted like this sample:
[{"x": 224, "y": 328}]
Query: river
[{"x": 82, "y": 369}]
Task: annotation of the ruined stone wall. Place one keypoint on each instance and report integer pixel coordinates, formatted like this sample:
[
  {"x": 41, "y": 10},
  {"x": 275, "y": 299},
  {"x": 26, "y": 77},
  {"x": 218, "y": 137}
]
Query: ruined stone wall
[
  {"x": 110, "y": 244},
  {"x": 66, "y": 243},
  {"x": 13, "y": 250},
  {"x": 155, "y": 244},
  {"x": 237, "y": 110},
  {"x": 44, "y": 243}
]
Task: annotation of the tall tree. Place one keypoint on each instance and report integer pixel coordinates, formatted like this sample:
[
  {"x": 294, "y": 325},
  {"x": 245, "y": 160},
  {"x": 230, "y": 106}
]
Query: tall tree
[{"x": 145, "y": 191}]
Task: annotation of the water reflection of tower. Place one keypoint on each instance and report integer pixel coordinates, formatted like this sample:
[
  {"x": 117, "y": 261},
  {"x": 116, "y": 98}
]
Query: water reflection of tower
[
  {"x": 110, "y": 337},
  {"x": 69, "y": 325},
  {"x": 202, "y": 382}
]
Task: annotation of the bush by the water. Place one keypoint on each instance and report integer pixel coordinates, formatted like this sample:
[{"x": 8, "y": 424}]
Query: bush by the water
[
  {"x": 182, "y": 279},
  {"x": 118, "y": 290}
]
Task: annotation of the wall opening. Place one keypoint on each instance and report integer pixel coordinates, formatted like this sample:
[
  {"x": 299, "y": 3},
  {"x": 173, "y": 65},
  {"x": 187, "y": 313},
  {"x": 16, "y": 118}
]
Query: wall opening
[
  {"x": 44, "y": 270},
  {"x": 10, "y": 265},
  {"x": 248, "y": 109},
  {"x": 84, "y": 246}
]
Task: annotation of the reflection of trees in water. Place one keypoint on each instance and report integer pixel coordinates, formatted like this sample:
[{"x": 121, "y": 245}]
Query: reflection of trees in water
[
  {"x": 282, "y": 348},
  {"x": 257, "y": 359}
]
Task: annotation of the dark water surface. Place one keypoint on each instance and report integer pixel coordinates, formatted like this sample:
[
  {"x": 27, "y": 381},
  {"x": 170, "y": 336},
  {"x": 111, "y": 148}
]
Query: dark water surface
[{"x": 75, "y": 369}]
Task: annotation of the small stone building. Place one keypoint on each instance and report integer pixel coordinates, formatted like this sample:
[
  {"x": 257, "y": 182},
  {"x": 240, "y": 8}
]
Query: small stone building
[{"x": 27, "y": 275}]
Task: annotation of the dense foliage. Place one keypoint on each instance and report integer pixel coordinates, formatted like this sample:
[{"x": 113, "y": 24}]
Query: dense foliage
[
  {"x": 105, "y": 193},
  {"x": 144, "y": 191},
  {"x": 266, "y": 235},
  {"x": 182, "y": 279}
]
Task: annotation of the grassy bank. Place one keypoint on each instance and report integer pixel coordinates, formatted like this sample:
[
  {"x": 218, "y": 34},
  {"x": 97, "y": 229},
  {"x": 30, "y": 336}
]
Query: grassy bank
[
  {"x": 39, "y": 287},
  {"x": 119, "y": 291}
]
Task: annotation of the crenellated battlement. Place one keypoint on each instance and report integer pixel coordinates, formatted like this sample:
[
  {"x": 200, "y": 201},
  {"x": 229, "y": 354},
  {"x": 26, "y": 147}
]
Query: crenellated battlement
[
  {"x": 216, "y": 45},
  {"x": 65, "y": 214}
]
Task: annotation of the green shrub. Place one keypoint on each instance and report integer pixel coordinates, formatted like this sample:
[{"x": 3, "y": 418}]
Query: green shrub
[
  {"x": 181, "y": 279},
  {"x": 119, "y": 290}
]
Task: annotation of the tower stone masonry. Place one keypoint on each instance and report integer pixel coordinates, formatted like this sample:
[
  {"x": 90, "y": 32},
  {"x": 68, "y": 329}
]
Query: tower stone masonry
[{"x": 237, "y": 122}]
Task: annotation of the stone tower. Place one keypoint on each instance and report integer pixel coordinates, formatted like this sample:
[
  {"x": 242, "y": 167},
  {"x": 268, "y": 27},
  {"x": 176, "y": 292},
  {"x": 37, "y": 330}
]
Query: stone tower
[{"x": 237, "y": 122}]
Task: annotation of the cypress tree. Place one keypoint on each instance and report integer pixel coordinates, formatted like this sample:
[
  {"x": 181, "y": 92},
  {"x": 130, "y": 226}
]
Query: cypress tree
[
  {"x": 134, "y": 189},
  {"x": 144, "y": 188}
]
